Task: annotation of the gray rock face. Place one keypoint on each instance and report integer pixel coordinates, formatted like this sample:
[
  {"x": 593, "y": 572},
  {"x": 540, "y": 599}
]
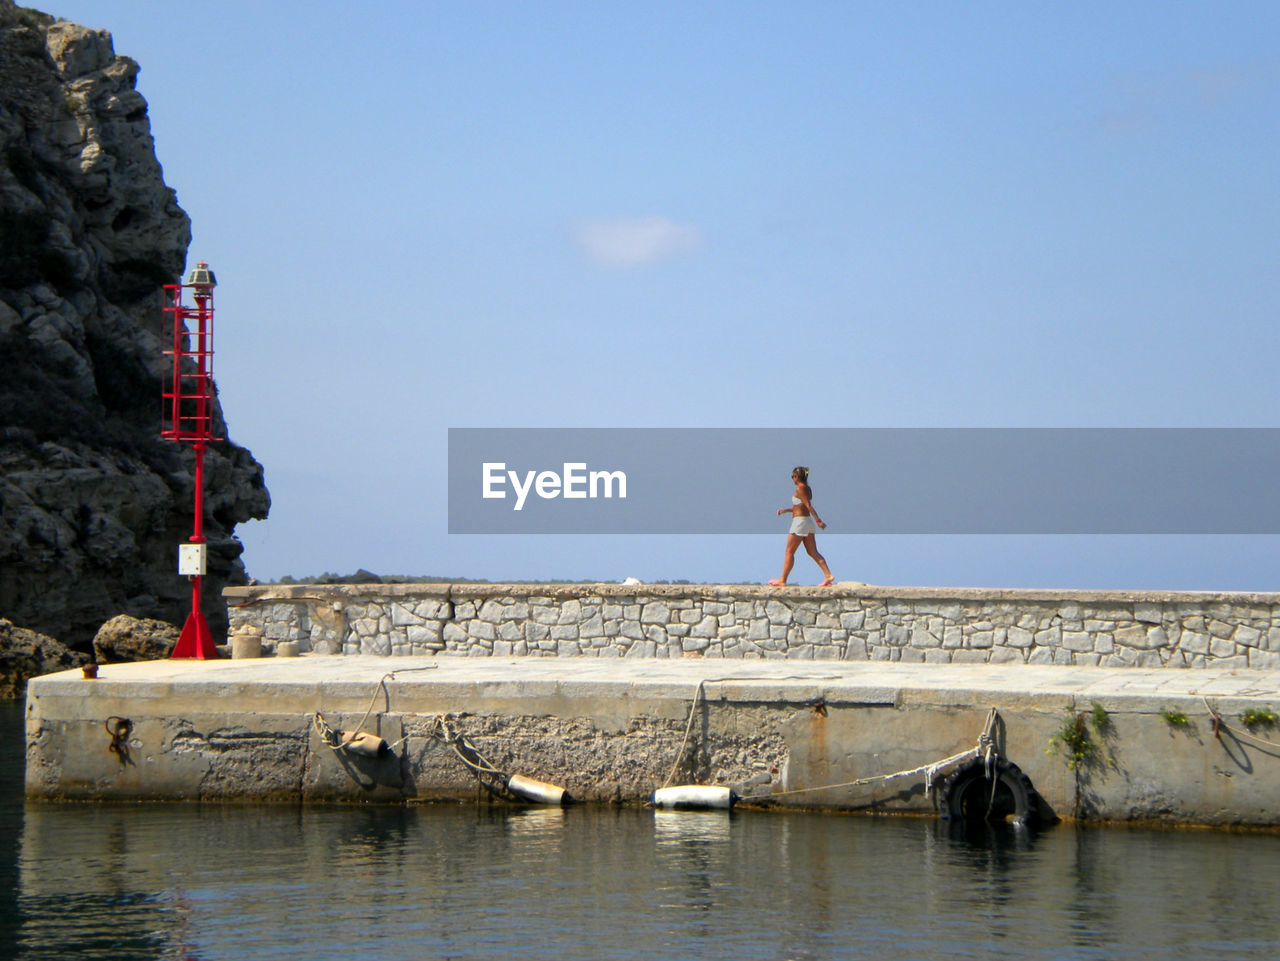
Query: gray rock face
[
  {"x": 25, "y": 654},
  {"x": 92, "y": 502}
]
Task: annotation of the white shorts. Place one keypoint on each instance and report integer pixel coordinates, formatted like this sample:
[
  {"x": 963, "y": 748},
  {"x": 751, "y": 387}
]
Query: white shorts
[{"x": 803, "y": 526}]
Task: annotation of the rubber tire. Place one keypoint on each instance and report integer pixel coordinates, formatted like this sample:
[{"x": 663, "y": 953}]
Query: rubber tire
[{"x": 966, "y": 794}]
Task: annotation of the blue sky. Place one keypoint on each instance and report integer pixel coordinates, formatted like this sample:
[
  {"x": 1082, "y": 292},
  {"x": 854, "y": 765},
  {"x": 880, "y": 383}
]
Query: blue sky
[{"x": 431, "y": 215}]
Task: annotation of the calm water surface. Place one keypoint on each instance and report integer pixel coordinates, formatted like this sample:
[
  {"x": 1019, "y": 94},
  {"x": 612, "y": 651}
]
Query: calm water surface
[{"x": 379, "y": 884}]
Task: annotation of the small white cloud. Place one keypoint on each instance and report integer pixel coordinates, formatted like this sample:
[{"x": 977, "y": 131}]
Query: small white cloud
[{"x": 635, "y": 242}]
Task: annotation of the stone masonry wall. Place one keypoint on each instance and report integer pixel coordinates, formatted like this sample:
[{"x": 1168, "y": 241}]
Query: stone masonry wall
[{"x": 933, "y": 625}]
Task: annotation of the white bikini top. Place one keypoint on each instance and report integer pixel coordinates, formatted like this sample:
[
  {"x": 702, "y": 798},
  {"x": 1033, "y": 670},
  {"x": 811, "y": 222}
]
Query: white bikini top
[{"x": 794, "y": 499}]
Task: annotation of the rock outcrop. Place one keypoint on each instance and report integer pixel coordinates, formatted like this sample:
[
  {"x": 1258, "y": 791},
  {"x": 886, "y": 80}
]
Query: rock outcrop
[
  {"x": 125, "y": 638},
  {"x": 92, "y": 502},
  {"x": 25, "y": 654}
]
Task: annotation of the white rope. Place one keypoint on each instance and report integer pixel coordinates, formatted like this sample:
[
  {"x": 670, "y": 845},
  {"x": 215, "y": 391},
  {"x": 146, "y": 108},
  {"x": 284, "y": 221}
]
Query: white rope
[
  {"x": 985, "y": 749},
  {"x": 697, "y": 692},
  {"x": 1217, "y": 718},
  {"x": 333, "y": 739}
]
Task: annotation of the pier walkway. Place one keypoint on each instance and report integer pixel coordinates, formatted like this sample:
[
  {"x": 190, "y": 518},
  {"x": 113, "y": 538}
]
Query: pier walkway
[{"x": 1186, "y": 745}]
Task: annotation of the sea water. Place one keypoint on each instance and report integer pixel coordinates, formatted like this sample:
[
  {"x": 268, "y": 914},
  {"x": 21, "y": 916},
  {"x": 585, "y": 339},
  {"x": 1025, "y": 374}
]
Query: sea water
[{"x": 466, "y": 881}]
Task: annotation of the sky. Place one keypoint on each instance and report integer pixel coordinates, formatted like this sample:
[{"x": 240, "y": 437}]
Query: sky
[{"x": 430, "y": 215}]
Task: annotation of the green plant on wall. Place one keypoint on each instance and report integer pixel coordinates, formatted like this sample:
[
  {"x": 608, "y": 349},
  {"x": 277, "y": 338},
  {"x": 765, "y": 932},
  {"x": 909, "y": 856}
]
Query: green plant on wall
[
  {"x": 1174, "y": 718},
  {"x": 1080, "y": 737},
  {"x": 1258, "y": 717},
  {"x": 1100, "y": 720}
]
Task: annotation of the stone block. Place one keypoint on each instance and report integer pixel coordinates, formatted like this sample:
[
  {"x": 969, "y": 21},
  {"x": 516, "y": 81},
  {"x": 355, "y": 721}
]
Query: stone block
[
  {"x": 922, "y": 638},
  {"x": 707, "y": 627},
  {"x": 1264, "y": 660},
  {"x": 655, "y": 612},
  {"x": 852, "y": 620},
  {"x": 423, "y": 634},
  {"x": 1141, "y": 637},
  {"x": 515, "y": 611},
  {"x": 1148, "y": 613},
  {"x": 1194, "y": 642},
  {"x": 402, "y": 616},
  {"x": 896, "y": 635},
  {"x": 855, "y": 649},
  {"x": 981, "y": 639},
  {"x": 777, "y": 612},
  {"x": 1050, "y": 637},
  {"x": 1077, "y": 641},
  {"x": 1019, "y": 637},
  {"x": 657, "y": 634},
  {"x": 545, "y": 615},
  {"x": 1218, "y": 648},
  {"x": 481, "y": 630},
  {"x": 1247, "y": 636},
  {"x": 816, "y": 635}
]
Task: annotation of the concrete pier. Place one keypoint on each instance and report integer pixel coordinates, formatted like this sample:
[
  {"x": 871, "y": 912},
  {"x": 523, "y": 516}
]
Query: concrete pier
[{"x": 1160, "y": 744}]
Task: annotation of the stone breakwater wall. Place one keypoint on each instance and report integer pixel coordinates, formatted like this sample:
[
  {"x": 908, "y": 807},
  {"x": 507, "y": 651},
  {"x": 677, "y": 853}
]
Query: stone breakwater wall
[{"x": 848, "y": 623}]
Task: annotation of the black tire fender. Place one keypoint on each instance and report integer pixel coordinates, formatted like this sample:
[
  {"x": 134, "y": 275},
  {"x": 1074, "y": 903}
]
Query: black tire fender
[{"x": 969, "y": 796}]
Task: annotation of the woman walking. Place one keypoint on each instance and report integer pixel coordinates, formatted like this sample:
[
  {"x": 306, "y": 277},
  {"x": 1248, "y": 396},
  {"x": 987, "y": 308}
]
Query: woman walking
[{"x": 803, "y": 531}]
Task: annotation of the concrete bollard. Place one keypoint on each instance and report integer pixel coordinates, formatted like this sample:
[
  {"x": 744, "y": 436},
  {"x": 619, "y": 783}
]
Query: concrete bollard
[{"x": 246, "y": 642}]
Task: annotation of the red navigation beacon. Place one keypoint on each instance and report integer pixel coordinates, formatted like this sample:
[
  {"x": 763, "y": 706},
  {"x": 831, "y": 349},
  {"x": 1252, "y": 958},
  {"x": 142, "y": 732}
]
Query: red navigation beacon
[{"x": 188, "y": 417}]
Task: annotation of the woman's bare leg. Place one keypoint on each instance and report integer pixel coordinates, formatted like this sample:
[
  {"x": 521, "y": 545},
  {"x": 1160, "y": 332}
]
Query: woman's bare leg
[
  {"x": 788, "y": 561},
  {"x": 811, "y": 546}
]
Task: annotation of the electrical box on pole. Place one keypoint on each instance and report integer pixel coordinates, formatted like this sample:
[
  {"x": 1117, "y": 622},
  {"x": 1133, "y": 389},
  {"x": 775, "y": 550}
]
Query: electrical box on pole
[{"x": 188, "y": 418}]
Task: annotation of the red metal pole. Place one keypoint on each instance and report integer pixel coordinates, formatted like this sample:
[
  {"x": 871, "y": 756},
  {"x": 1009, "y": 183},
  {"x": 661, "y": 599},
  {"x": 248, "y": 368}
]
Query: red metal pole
[{"x": 196, "y": 640}]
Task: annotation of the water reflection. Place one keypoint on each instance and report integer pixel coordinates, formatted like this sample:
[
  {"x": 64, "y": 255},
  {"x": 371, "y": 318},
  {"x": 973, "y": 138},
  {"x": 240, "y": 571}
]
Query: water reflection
[{"x": 468, "y": 882}]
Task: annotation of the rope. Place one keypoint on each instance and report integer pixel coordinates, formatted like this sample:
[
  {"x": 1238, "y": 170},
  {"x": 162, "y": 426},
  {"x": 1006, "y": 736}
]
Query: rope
[
  {"x": 697, "y": 692},
  {"x": 491, "y": 778},
  {"x": 985, "y": 749},
  {"x": 334, "y": 739},
  {"x": 1219, "y": 723}
]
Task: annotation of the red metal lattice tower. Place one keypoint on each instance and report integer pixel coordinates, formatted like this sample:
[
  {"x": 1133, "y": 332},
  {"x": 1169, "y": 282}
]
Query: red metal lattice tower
[{"x": 188, "y": 417}]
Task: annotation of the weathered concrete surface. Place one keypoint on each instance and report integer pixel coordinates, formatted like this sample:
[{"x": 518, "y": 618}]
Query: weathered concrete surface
[{"x": 611, "y": 730}]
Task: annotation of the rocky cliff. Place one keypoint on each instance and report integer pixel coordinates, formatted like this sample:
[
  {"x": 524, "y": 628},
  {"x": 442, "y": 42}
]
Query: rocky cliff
[{"x": 92, "y": 502}]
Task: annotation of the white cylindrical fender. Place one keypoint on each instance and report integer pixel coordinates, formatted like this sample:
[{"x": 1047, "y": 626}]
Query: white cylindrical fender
[
  {"x": 363, "y": 743},
  {"x": 539, "y": 792},
  {"x": 694, "y": 796}
]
